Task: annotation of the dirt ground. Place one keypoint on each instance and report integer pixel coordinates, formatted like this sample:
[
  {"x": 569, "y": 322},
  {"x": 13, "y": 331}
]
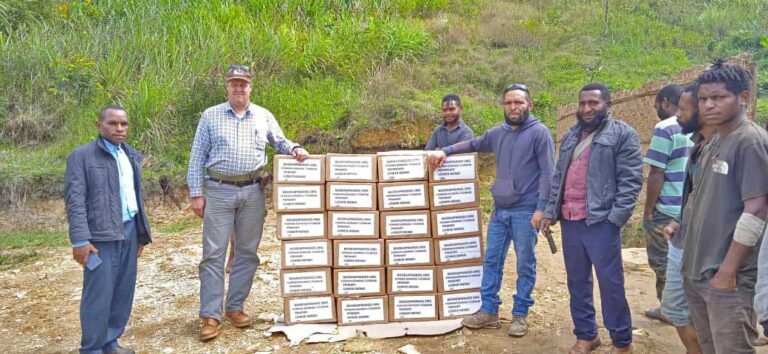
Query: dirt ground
[{"x": 40, "y": 308}]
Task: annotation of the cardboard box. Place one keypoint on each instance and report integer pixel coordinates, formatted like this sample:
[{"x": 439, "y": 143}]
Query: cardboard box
[
  {"x": 465, "y": 249},
  {"x": 399, "y": 168},
  {"x": 306, "y": 282},
  {"x": 410, "y": 252},
  {"x": 406, "y": 308},
  {"x": 358, "y": 253},
  {"x": 351, "y": 168},
  {"x": 351, "y": 196},
  {"x": 403, "y": 196},
  {"x": 305, "y": 254},
  {"x": 454, "y": 195},
  {"x": 456, "y": 167},
  {"x": 359, "y": 311},
  {"x": 298, "y": 198},
  {"x": 301, "y": 226},
  {"x": 353, "y": 224},
  {"x": 463, "y": 222},
  {"x": 411, "y": 280},
  {"x": 286, "y": 169},
  {"x": 458, "y": 304},
  {"x": 460, "y": 277},
  {"x": 359, "y": 282},
  {"x": 316, "y": 309},
  {"x": 405, "y": 224}
]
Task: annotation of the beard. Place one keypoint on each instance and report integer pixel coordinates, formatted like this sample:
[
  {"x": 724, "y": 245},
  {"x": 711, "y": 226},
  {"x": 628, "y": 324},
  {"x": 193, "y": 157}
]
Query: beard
[
  {"x": 599, "y": 118},
  {"x": 662, "y": 114},
  {"x": 518, "y": 121},
  {"x": 693, "y": 125}
]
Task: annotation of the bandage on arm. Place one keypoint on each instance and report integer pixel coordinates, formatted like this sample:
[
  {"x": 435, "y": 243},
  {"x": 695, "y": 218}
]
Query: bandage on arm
[{"x": 749, "y": 229}]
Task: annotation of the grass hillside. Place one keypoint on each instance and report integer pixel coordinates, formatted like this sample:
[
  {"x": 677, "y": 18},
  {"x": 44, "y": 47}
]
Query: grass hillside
[{"x": 329, "y": 70}]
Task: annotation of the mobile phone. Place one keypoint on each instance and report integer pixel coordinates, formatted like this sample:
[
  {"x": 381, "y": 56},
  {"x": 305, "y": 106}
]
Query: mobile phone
[{"x": 93, "y": 261}]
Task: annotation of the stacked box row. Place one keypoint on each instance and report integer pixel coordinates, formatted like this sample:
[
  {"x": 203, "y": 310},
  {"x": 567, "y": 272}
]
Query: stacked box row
[{"x": 365, "y": 251}]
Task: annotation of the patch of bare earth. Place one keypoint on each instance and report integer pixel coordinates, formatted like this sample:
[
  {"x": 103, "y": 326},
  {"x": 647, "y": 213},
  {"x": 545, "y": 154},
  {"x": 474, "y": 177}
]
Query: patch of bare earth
[{"x": 40, "y": 305}]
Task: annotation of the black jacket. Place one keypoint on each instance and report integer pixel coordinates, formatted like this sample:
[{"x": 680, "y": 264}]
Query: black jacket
[{"x": 92, "y": 194}]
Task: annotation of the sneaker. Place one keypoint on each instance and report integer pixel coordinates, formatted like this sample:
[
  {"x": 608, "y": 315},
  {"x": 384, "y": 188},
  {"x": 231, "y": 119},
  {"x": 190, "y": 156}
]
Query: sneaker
[
  {"x": 518, "y": 328},
  {"x": 481, "y": 319}
]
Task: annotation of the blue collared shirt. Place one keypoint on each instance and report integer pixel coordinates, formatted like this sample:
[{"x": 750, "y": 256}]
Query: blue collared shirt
[
  {"x": 128, "y": 201},
  {"x": 233, "y": 146}
]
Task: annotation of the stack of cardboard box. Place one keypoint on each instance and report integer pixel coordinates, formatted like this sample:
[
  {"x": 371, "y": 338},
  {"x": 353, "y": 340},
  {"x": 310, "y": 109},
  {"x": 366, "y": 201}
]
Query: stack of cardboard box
[
  {"x": 306, "y": 253},
  {"x": 457, "y": 229},
  {"x": 355, "y": 251}
]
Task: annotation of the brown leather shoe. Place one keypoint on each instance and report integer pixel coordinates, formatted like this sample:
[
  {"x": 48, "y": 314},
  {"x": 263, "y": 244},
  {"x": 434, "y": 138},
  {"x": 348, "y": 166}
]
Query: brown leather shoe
[
  {"x": 585, "y": 346},
  {"x": 210, "y": 329},
  {"x": 238, "y": 319}
]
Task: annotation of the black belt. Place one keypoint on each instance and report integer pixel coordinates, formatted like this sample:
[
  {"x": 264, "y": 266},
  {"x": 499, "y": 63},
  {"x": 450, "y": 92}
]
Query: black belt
[{"x": 236, "y": 184}]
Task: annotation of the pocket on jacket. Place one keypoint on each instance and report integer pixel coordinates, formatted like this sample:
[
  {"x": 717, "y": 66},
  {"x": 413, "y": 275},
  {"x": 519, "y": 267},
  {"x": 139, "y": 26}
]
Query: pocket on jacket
[
  {"x": 97, "y": 176},
  {"x": 505, "y": 192},
  {"x": 99, "y": 210}
]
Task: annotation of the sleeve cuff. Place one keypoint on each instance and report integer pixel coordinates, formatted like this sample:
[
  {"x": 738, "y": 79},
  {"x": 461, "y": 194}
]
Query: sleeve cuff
[
  {"x": 80, "y": 244},
  {"x": 541, "y": 204},
  {"x": 448, "y": 150},
  {"x": 195, "y": 192}
]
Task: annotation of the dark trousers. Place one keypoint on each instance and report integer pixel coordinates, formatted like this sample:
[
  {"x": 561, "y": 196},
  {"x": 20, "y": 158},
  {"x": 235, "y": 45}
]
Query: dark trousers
[
  {"x": 597, "y": 245},
  {"x": 724, "y": 319},
  {"x": 657, "y": 247},
  {"x": 108, "y": 293}
]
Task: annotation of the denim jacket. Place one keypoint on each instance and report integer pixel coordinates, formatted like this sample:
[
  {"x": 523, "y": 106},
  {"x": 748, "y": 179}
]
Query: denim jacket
[
  {"x": 92, "y": 194},
  {"x": 614, "y": 173}
]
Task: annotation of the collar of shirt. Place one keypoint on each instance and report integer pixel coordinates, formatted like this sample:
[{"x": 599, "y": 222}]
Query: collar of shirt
[
  {"x": 247, "y": 111},
  {"x": 445, "y": 126},
  {"x": 111, "y": 147}
]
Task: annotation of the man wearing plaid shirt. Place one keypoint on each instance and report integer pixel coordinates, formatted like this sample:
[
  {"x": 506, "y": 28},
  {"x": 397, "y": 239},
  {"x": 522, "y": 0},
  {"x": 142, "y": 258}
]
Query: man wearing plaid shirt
[{"x": 228, "y": 150}]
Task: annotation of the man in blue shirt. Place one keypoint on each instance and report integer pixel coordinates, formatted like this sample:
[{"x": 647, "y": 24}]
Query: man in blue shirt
[
  {"x": 108, "y": 228},
  {"x": 453, "y": 130}
]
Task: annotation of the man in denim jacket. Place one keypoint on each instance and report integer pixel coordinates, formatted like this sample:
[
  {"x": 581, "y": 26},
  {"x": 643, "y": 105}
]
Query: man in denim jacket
[{"x": 597, "y": 180}]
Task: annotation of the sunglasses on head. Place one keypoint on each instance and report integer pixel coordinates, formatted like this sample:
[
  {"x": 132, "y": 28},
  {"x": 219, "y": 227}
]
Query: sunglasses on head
[{"x": 520, "y": 87}]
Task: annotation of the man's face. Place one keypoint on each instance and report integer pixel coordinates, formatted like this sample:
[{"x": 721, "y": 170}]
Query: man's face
[
  {"x": 593, "y": 109},
  {"x": 688, "y": 119},
  {"x": 516, "y": 107},
  {"x": 238, "y": 92},
  {"x": 114, "y": 126},
  {"x": 451, "y": 112},
  {"x": 717, "y": 105},
  {"x": 663, "y": 108}
]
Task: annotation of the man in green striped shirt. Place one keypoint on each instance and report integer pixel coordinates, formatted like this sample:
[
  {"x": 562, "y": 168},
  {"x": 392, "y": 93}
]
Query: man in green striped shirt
[{"x": 667, "y": 156}]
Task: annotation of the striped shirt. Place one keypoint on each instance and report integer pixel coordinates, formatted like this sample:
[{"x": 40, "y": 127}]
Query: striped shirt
[
  {"x": 233, "y": 146},
  {"x": 669, "y": 150}
]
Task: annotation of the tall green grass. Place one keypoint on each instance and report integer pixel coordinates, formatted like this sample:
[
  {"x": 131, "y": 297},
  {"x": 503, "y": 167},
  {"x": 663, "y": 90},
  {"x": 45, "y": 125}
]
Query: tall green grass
[
  {"x": 327, "y": 67},
  {"x": 164, "y": 62}
]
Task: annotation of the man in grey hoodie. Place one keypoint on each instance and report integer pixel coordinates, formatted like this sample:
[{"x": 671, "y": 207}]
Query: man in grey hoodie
[{"x": 524, "y": 153}]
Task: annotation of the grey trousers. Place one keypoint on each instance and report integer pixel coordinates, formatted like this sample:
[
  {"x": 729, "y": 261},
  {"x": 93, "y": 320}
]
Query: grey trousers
[
  {"x": 229, "y": 208},
  {"x": 724, "y": 319}
]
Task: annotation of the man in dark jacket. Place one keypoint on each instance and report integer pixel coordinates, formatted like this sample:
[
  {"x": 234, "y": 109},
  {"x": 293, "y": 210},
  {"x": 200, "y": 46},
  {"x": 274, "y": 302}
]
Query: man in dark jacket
[
  {"x": 108, "y": 228},
  {"x": 594, "y": 190},
  {"x": 525, "y": 155}
]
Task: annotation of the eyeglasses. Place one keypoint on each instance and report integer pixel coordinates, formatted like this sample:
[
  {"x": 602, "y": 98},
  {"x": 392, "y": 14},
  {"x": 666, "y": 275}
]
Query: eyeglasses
[{"x": 520, "y": 87}]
